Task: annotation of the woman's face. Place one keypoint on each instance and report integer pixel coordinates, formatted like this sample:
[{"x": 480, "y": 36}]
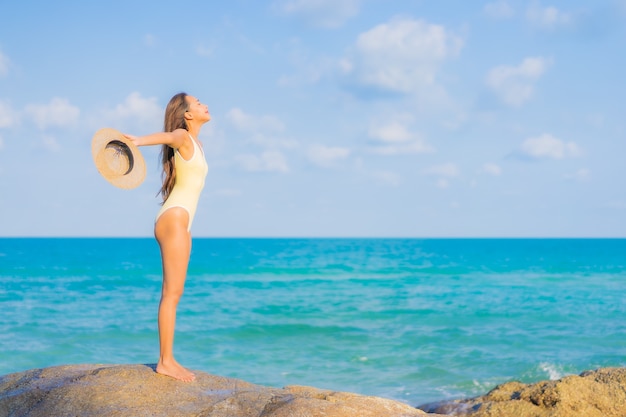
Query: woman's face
[{"x": 198, "y": 110}]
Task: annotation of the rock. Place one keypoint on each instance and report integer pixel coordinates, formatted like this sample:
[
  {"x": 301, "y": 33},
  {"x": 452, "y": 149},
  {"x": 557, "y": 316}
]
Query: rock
[
  {"x": 599, "y": 393},
  {"x": 136, "y": 390}
]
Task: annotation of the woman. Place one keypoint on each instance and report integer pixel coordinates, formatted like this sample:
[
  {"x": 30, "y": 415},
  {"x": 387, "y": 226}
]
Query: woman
[{"x": 184, "y": 170}]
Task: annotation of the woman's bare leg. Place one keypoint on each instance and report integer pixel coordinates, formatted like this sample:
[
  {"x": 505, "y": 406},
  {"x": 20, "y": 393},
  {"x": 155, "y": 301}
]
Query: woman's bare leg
[{"x": 175, "y": 243}]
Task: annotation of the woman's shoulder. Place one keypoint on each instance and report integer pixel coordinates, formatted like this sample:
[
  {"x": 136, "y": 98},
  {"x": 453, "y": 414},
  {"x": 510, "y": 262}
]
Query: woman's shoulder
[
  {"x": 186, "y": 146},
  {"x": 180, "y": 138}
]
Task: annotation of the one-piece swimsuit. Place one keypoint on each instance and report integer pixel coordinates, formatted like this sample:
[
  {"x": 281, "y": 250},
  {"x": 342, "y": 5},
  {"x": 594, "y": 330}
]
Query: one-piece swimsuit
[{"x": 190, "y": 175}]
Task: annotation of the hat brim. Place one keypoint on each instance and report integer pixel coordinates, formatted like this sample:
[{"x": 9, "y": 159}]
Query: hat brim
[{"x": 118, "y": 159}]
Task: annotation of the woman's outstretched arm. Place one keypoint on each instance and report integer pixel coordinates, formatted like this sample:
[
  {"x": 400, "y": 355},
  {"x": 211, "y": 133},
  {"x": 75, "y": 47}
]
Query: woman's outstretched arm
[{"x": 174, "y": 139}]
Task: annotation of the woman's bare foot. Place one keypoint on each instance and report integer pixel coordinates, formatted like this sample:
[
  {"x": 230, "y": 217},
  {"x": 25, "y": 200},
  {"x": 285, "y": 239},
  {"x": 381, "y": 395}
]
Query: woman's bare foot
[{"x": 175, "y": 370}]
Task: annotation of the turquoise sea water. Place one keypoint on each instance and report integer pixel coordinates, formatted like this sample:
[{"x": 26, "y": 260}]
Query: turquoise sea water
[{"x": 409, "y": 319}]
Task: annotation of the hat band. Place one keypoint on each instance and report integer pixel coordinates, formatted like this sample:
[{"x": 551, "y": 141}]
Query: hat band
[{"x": 120, "y": 149}]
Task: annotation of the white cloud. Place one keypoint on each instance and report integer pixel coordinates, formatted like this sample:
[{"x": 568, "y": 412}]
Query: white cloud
[
  {"x": 394, "y": 132},
  {"x": 492, "y": 169},
  {"x": 8, "y": 117},
  {"x": 386, "y": 178},
  {"x": 547, "y": 17},
  {"x": 228, "y": 192},
  {"x": 310, "y": 67},
  {"x": 323, "y": 13},
  {"x": 4, "y": 65},
  {"x": 206, "y": 51},
  {"x": 547, "y": 146},
  {"x": 499, "y": 10},
  {"x": 394, "y": 138},
  {"x": 268, "y": 161},
  {"x": 149, "y": 40},
  {"x": 444, "y": 173},
  {"x": 597, "y": 120},
  {"x": 144, "y": 113},
  {"x": 615, "y": 205},
  {"x": 402, "y": 55},
  {"x": 447, "y": 170},
  {"x": 250, "y": 123},
  {"x": 515, "y": 85},
  {"x": 582, "y": 175},
  {"x": 271, "y": 141},
  {"x": 58, "y": 113},
  {"x": 442, "y": 183},
  {"x": 326, "y": 156},
  {"x": 50, "y": 143},
  {"x": 264, "y": 131}
]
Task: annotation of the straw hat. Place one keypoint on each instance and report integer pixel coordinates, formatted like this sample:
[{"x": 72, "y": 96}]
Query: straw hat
[{"x": 118, "y": 159}]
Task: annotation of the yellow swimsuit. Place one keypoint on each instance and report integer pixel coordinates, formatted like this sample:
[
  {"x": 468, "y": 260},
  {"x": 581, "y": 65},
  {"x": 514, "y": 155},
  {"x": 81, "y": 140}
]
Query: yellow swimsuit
[{"x": 190, "y": 176}]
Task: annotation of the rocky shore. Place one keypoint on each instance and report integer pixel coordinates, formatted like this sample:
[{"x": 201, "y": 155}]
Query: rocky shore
[
  {"x": 599, "y": 393},
  {"x": 136, "y": 390}
]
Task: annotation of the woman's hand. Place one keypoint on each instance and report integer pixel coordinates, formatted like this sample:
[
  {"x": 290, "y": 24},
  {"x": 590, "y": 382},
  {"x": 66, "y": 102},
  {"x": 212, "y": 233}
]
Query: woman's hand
[{"x": 131, "y": 138}]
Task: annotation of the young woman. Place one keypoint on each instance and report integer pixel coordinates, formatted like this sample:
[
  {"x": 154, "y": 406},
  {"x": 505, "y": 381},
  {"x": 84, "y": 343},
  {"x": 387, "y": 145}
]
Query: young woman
[{"x": 184, "y": 171}]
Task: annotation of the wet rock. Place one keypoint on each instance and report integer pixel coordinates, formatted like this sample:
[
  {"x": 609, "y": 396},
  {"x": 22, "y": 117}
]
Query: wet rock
[
  {"x": 599, "y": 393},
  {"x": 136, "y": 390}
]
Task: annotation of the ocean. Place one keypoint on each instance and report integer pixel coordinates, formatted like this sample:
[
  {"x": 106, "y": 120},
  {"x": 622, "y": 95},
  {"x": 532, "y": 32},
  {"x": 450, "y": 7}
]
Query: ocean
[{"x": 416, "y": 320}]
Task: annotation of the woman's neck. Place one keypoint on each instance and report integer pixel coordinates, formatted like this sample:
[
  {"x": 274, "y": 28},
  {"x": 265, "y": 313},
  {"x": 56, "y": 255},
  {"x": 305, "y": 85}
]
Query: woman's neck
[{"x": 194, "y": 130}]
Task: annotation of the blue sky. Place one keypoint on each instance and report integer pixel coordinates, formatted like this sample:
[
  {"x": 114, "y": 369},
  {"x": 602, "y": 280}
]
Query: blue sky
[{"x": 330, "y": 117}]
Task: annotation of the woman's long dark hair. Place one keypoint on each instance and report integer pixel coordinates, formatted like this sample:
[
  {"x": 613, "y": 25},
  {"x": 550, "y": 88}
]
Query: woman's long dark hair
[{"x": 174, "y": 119}]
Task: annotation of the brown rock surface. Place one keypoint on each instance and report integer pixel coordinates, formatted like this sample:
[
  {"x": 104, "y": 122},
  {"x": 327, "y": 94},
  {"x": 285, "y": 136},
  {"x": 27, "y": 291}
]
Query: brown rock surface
[
  {"x": 599, "y": 393},
  {"x": 136, "y": 390}
]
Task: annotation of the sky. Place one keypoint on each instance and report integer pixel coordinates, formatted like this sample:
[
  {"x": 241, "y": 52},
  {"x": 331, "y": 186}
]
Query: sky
[{"x": 330, "y": 118}]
